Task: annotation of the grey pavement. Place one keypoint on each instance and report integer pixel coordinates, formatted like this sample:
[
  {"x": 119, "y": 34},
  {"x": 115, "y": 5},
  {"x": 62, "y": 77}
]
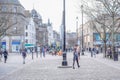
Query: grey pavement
[
  {"x": 14, "y": 62},
  {"x": 47, "y": 69},
  {"x": 110, "y": 62}
]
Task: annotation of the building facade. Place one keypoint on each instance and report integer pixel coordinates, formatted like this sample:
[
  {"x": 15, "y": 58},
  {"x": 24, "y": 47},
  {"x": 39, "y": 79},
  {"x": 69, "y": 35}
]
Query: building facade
[
  {"x": 24, "y": 28},
  {"x": 30, "y": 34},
  {"x": 50, "y": 32},
  {"x": 13, "y": 11},
  {"x": 56, "y": 39}
]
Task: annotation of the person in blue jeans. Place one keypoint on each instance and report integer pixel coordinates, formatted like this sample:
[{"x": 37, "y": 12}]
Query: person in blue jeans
[{"x": 75, "y": 57}]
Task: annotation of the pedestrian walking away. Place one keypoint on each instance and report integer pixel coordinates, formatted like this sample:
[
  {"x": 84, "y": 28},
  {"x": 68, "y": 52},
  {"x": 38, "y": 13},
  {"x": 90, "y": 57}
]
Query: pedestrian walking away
[
  {"x": 24, "y": 55},
  {"x": 1, "y": 54},
  {"x": 43, "y": 51},
  {"x": 75, "y": 57},
  {"x": 5, "y": 53},
  {"x": 94, "y": 52}
]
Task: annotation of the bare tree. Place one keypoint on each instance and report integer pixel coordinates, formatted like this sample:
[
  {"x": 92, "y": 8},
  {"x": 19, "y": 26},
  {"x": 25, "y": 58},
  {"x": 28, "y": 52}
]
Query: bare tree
[
  {"x": 5, "y": 24},
  {"x": 104, "y": 15}
]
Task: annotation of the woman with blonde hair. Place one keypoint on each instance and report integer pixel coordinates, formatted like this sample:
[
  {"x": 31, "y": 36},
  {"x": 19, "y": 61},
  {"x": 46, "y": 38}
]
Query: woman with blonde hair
[{"x": 75, "y": 56}]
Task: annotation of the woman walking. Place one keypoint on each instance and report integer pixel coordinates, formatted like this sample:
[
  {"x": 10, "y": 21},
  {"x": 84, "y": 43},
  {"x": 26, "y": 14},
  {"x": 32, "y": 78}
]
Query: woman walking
[{"x": 75, "y": 57}]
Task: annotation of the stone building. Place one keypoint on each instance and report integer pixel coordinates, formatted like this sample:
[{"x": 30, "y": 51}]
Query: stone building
[
  {"x": 50, "y": 32},
  {"x": 41, "y": 29},
  {"x": 30, "y": 31},
  {"x": 24, "y": 29},
  {"x": 87, "y": 35},
  {"x": 70, "y": 39},
  {"x": 56, "y": 39},
  {"x": 13, "y": 11}
]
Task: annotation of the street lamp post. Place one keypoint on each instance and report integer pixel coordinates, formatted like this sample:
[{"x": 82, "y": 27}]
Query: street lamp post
[
  {"x": 77, "y": 29},
  {"x": 64, "y": 55},
  {"x": 82, "y": 31},
  {"x": 64, "y": 62}
]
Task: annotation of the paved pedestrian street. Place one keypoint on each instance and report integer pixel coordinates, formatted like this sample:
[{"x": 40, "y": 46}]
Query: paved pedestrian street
[{"x": 48, "y": 69}]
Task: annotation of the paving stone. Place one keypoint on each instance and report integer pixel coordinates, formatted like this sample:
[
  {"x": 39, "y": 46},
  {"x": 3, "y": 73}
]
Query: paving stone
[{"x": 47, "y": 69}]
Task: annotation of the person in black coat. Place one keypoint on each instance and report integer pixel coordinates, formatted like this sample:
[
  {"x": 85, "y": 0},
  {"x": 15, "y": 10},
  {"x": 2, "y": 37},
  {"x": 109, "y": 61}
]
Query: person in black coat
[
  {"x": 24, "y": 55},
  {"x": 5, "y": 53},
  {"x": 1, "y": 54}
]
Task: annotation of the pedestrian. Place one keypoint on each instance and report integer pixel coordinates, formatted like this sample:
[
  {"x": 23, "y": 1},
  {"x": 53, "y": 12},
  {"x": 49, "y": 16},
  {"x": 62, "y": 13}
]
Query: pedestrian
[
  {"x": 24, "y": 55},
  {"x": 43, "y": 51},
  {"x": 94, "y": 51},
  {"x": 1, "y": 54},
  {"x": 75, "y": 57},
  {"x": 20, "y": 50},
  {"x": 5, "y": 53},
  {"x": 91, "y": 50}
]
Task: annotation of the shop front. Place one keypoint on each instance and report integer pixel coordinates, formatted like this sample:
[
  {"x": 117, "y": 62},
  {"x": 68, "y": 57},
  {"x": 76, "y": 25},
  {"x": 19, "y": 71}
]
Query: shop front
[{"x": 16, "y": 46}]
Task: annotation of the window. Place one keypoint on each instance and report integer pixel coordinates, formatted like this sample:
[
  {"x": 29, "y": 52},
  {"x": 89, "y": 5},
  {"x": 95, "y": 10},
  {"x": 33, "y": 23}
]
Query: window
[
  {"x": 4, "y": 8},
  {"x": 26, "y": 27},
  {"x": 26, "y": 34},
  {"x": 14, "y": 9}
]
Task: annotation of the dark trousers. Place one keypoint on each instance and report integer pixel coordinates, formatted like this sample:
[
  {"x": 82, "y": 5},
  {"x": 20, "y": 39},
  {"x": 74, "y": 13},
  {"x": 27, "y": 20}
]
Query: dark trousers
[
  {"x": 91, "y": 54},
  {"x": 75, "y": 59},
  {"x": 5, "y": 59}
]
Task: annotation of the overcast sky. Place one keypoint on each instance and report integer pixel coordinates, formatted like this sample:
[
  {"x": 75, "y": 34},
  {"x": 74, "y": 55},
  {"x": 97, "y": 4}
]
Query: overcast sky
[{"x": 52, "y": 9}]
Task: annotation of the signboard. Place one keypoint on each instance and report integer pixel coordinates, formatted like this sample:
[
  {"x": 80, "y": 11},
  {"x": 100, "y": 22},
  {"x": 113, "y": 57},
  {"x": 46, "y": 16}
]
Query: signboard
[
  {"x": 3, "y": 45},
  {"x": 96, "y": 36},
  {"x": 29, "y": 45},
  {"x": 15, "y": 43}
]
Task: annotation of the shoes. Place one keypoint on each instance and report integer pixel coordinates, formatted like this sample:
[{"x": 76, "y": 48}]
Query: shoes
[{"x": 73, "y": 67}]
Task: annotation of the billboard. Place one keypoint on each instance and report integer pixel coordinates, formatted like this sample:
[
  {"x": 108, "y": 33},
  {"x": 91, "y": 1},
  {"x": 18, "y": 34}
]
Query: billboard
[
  {"x": 96, "y": 36},
  {"x": 97, "y": 39}
]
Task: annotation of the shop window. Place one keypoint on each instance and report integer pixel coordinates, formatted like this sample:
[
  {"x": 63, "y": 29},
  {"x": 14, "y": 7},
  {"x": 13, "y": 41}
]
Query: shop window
[
  {"x": 4, "y": 8},
  {"x": 26, "y": 34}
]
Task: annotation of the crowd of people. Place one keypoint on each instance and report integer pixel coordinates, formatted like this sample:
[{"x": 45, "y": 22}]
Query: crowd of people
[{"x": 43, "y": 50}]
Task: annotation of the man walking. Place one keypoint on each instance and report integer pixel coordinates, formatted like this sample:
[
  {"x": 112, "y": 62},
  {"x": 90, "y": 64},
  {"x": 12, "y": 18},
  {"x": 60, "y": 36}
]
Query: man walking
[
  {"x": 5, "y": 53},
  {"x": 24, "y": 55}
]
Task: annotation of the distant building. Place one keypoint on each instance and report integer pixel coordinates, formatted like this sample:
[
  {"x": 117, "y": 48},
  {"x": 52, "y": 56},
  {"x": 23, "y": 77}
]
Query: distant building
[
  {"x": 56, "y": 39},
  {"x": 30, "y": 34},
  {"x": 50, "y": 32},
  {"x": 44, "y": 31},
  {"x": 26, "y": 27},
  {"x": 70, "y": 39}
]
